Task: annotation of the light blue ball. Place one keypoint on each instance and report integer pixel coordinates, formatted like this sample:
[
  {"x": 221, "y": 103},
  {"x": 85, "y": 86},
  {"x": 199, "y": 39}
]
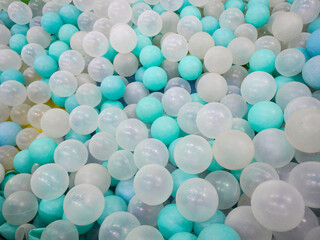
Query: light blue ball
[
  {"x": 190, "y": 11},
  {"x": 281, "y": 80},
  {"x": 258, "y": 15},
  {"x": 264, "y": 115},
  {"x": 312, "y": 45},
  {"x": 263, "y": 60},
  {"x": 142, "y": 42},
  {"x": 165, "y": 129},
  {"x": 183, "y": 236},
  {"x": 138, "y": 76},
  {"x": 19, "y": 29},
  {"x": 17, "y": 42},
  {"x": 8, "y": 133},
  {"x": 4, "y": 17},
  {"x": 190, "y": 68},
  {"x": 125, "y": 190},
  {"x": 66, "y": 31},
  {"x": 51, "y": 210},
  {"x": 57, "y": 48},
  {"x": 196, "y": 98},
  {"x": 314, "y": 25},
  {"x": 311, "y": 72},
  {"x": 149, "y": 109},
  {"x": 76, "y": 136},
  {"x": 112, "y": 87},
  {"x": 112, "y": 204},
  {"x": 111, "y": 103},
  {"x": 109, "y": 192},
  {"x": 235, "y": 4},
  {"x": 178, "y": 177},
  {"x": 218, "y": 231},
  {"x": 171, "y": 148},
  {"x": 41, "y": 150},
  {"x": 209, "y": 24},
  {"x": 170, "y": 221},
  {"x": 71, "y": 103},
  {"x": 22, "y": 162},
  {"x": 51, "y": 22},
  {"x": 69, "y": 14},
  {"x": 45, "y": 66},
  {"x": 155, "y": 78},
  {"x": 218, "y": 217},
  {"x": 151, "y": 56},
  {"x": 12, "y": 74},
  {"x": 222, "y": 37}
]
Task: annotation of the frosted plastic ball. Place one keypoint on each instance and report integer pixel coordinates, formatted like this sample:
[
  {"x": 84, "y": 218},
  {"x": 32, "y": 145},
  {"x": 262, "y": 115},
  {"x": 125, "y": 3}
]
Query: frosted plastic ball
[
  {"x": 102, "y": 145},
  {"x": 187, "y": 117},
  {"x": 193, "y": 154},
  {"x": 174, "y": 47},
  {"x": 88, "y": 94},
  {"x": 117, "y": 226},
  {"x": 231, "y": 18},
  {"x": 313, "y": 234},
  {"x": 35, "y": 114},
  {"x": 188, "y": 26},
  {"x": 55, "y": 123},
  {"x": 218, "y": 59},
  {"x": 71, "y": 154},
  {"x": 39, "y": 92},
  {"x": 150, "y": 151},
  {"x": 23, "y": 231},
  {"x": 170, "y": 5},
  {"x": 119, "y": 11},
  {"x": 199, "y": 43},
  {"x": 242, "y": 49},
  {"x": 241, "y": 219},
  {"x": 19, "y": 12},
  {"x": 121, "y": 165},
  {"x": 137, "y": 9},
  {"x": 18, "y": 114},
  {"x": 103, "y": 25},
  {"x": 268, "y": 42},
  {"x": 86, "y": 20},
  {"x": 25, "y": 137},
  {"x": 149, "y": 23},
  {"x": 63, "y": 83},
  {"x": 192, "y": 192},
  {"x": 306, "y": 177},
  {"x": 134, "y": 92},
  {"x": 38, "y": 35},
  {"x": 20, "y": 207},
  {"x": 123, "y": 38},
  {"x": 173, "y": 99},
  {"x": 212, "y": 87},
  {"x": 233, "y": 149},
  {"x": 235, "y": 75},
  {"x": 299, "y": 103},
  {"x": 227, "y": 187},
  {"x": 12, "y": 93},
  {"x": 213, "y": 119},
  {"x": 307, "y": 9},
  {"x": 306, "y": 157},
  {"x": 95, "y": 44},
  {"x": 94, "y": 174},
  {"x": 110, "y": 118},
  {"x": 83, "y": 119},
  {"x": 244, "y": 126},
  {"x": 153, "y": 184},
  {"x": 30, "y": 52},
  {"x": 199, "y": 3},
  {"x": 9, "y": 59},
  {"x": 126, "y": 64},
  {"x": 246, "y": 30},
  {"x": 83, "y": 204},
  {"x": 60, "y": 230},
  {"x": 99, "y": 68},
  {"x": 277, "y": 205},
  {"x": 290, "y": 62},
  {"x": 130, "y": 132},
  {"x": 76, "y": 41},
  {"x": 84, "y": 5},
  {"x": 144, "y": 233},
  {"x": 7, "y": 153},
  {"x": 258, "y": 86},
  {"x": 255, "y": 174},
  {"x": 72, "y": 61},
  {"x": 49, "y": 181},
  {"x": 4, "y": 112},
  {"x": 236, "y": 104},
  {"x": 287, "y": 26},
  {"x": 19, "y": 182},
  {"x": 5, "y": 35}
]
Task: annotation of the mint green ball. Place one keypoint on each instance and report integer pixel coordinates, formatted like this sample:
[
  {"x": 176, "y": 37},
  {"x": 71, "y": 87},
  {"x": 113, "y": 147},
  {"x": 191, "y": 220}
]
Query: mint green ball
[
  {"x": 258, "y": 15},
  {"x": 166, "y": 129},
  {"x": 151, "y": 56},
  {"x": 218, "y": 231},
  {"x": 51, "y": 210},
  {"x": 149, "y": 109},
  {"x": 190, "y": 68},
  {"x": 155, "y": 78},
  {"x": 41, "y": 150},
  {"x": 183, "y": 236},
  {"x": 263, "y": 60}
]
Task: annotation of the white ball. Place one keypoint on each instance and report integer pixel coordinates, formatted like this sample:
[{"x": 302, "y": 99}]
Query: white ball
[
  {"x": 218, "y": 59},
  {"x": 123, "y": 38},
  {"x": 55, "y": 123},
  {"x": 95, "y": 44},
  {"x": 212, "y": 87},
  {"x": 149, "y": 23},
  {"x": 174, "y": 47}
]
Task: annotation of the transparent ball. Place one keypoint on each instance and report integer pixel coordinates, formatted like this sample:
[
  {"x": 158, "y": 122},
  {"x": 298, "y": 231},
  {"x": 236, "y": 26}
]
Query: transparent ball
[
  {"x": 84, "y": 5},
  {"x": 83, "y": 119},
  {"x": 102, "y": 145},
  {"x": 86, "y": 20},
  {"x": 30, "y": 52},
  {"x": 287, "y": 26},
  {"x": 149, "y": 23},
  {"x": 231, "y": 18},
  {"x": 126, "y": 64},
  {"x": 19, "y": 182},
  {"x": 35, "y": 114},
  {"x": 12, "y": 93},
  {"x": 88, "y": 94},
  {"x": 95, "y": 44},
  {"x": 5, "y": 112},
  {"x": 299, "y": 103},
  {"x": 55, "y": 123},
  {"x": 120, "y": 11},
  {"x": 236, "y": 103},
  {"x": 235, "y": 75},
  {"x": 99, "y": 68},
  {"x": 19, "y": 12},
  {"x": 137, "y": 9},
  {"x": 306, "y": 157},
  {"x": 242, "y": 49},
  {"x": 103, "y": 25},
  {"x": 63, "y": 83},
  {"x": 200, "y": 43},
  {"x": 170, "y": 5},
  {"x": 9, "y": 59},
  {"x": 134, "y": 92},
  {"x": 25, "y": 137},
  {"x": 7, "y": 153},
  {"x": 244, "y": 126},
  {"x": 72, "y": 61},
  {"x": 212, "y": 87},
  {"x": 187, "y": 117},
  {"x": 5, "y": 35},
  {"x": 173, "y": 99},
  {"x": 144, "y": 233},
  {"x": 38, "y": 92},
  {"x": 246, "y": 30},
  {"x": 290, "y": 62},
  {"x": 213, "y": 8},
  {"x": 188, "y": 26},
  {"x": 218, "y": 59},
  {"x": 308, "y": 10},
  {"x": 60, "y": 229},
  {"x": 38, "y": 35},
  {"x": 123, "y": 38},
  {"x": 76, "y": 41},
  {"x": 174, "y": 47},
  {"x": 121, "y": 165}
]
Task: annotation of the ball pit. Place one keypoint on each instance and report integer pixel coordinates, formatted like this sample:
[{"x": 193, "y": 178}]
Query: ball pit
[{"x": 159, "y": 119}]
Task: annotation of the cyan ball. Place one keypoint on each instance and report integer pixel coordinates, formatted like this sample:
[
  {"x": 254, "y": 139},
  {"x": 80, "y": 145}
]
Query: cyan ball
[
  {"x": 45, "y": 66},
  {"x": 314, "y": 25},
  {"x": 57, "y": 48},
  {"x": 190, "y": 11},
  {"x": 258, "y": 15},
  {"x": 264, "y": 2},
  {"x": 151, "y": 56},
  {"x": 235, "y": 4},
  {"x": 76, "y": 136},
  {"x": 42, "y": 149},
  {"x": 19, "y": 29},
  {"x": 138, "y": 76},
  {"x": 183, "y": 236},
  {"x": 69, "y": 14},
  {"x": 142, "y": 42},
  {"x": 111, "y": 103},
  {"x": 178, "y": 177},
  {"x": 263, "y": 60},
  {"x": 222, "y": 37},
  {"x": 190, "y": 68},
  {"x": 60, "y": 101},
  {"x": 51, "y": 210},
  {"x": 312, "y": 45},
  {"x": 66, "y": 31},
  {"x": 218, "y": 217},
  {"x": 12, "y": 74},
  {"x": 22, "y": 162},
  {"x": 17, "y": 42},
  {"x": 155, "y": 78},
  {"x": 125, "y": 190},
  {"x": 112, "y": 87},
  {"x": 51, "y": 22},
  {"x": 112, "y": 204},
  {"x": 311, "y": 72},
  {"x": 209, "y": 24},
  {"x": 149, "y": 109},
  {"x": 281, "y": 80},
  {"x": 8, "y": 133},
  {"x": 218, "y": 231},
  {"x": 165, "y": 129},
  {"x": 4, "y": 17}
]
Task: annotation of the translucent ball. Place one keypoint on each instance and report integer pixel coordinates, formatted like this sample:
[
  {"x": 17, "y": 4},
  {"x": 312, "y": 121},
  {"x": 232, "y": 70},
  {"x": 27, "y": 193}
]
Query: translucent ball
[
  {"x": 119, "y": 11},
  {"x": 123, "y": 38},
  {"x": 5, "y": 35},
  {"x": 94, "y": 174},
  {"x": 7, "y": 153},
  {"x": 121, "y": 165},
  {"x": 174, "y": 47},
  {"x": 287, "y": 26},
  {"x": 49, "y": 181},
  {"x": 134, "y": 92},
  {"x": 83, "y": 119},
  {"x": 63, "y": 83},
  {"x": 193, "y": 191},
  {"x": 153, "y": 184},
  {"x": 231, "y": 18},
  {"x": 235, "y": 75},
  {"x": 130, "y": 132},
  {"x": 236, "y": 104},
  {"x": 5, "y": 112},
  {"x": 12, "y": 93},
  {"x": 144, "y": 233},
  {"x": 99, "y": 68},
  {"x": 18, "y": 114},
  {"x": 146, "y": 214},
  {"x": 102, "y": 145},
  {"x": 227, "y": 187},
  {"x": 88, "y": 94},
  {"x": 199, "y": 3},
  {"x": 188, "y": 26},
  {"x": 149, "y": 23},
  {"x": 72, "y": 61},
  {"x": 313, "y": 234},
  {"x": 306, "y": 177},
  {"x": 95, "y": 44},
  {"x": 71, "y": 154},
  {"x": 19, "y": 182},
  {"x": 84, "y": 5},
  {"x": 241, "y": 219},
  {"x": 38, "y": 35},
  {"x": 246, "y": 30},
  {"x": 244, "y": 126},
  {"x": 76, "y": 41},
  {"x": 299, "y": 103},
  {"x": 19, "y": 12},
  {"x": 55, "y": 123},
  {"x": 20, "y": 207},
  {"x": 25, "y": 137},
  {"x": 218, "y": 59},
  {"x": 103, "y": 25},
  {"x": 117, "y": 226},
  {"x": 30, "y": 52},
  {"x": 193, "y": 154},
  {"x": 213, "y": 119},
  {"x": 178, "y": 82},
  {"x": 290, "y": 62},
  {"x": 233, "y": 149},
  {"x": 61, "y": 229},
  {"x": 212, "y": 87},
  {"x": 173, "y": 99},
  {"x": 35, "y": 114},
  {"x": 187, "y": 117},
  {"x": 200, "y": 43},
  {"x": 277, "y": 205},
  {"x": 83, "y": 204},
  {"x": 242, "y": 49},
  {"x": 86, "y": 20},
  {"x": 23, "y": 231},
  {"x": 9, "y": 59},
  {"x": 268, "y": 42},
  {"x": 39, "y": 92},
  {"x": 126, "y": 64},
  {"x": 308, "y": 10},
  {"x": 306, "y": 157}
]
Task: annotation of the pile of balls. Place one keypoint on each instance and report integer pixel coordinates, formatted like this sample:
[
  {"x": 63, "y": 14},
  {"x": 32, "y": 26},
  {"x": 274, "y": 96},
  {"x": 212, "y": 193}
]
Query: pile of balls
[{"x": 160, "y": 119}]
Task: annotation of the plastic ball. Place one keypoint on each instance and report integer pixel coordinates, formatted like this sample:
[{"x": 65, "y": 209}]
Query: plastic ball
[
  {"x": 290, "y": 62},
  {"x": 310, "y": 72},
  {"x": 257, "y": 15},
  {"x": 313, "y": 234},
  {"x": 173, "y": 99},
  {"x": 166, "y": 129},
  {"x": 112, "y": 204},
  {"x": 212, "y": 87},
  {"x": 55, "y": 123},
  {"x": 83, "y": 204},
  {"x": 38, "y": 35},
  {"x": 61, "y": 230},
  {"x": 144, "y": 233},
  {"x": 306, "y": 9},
  {"x": 218, "y": 59},
  {"x": 199, "y": 43},
  {"x": 242, "y": 49},
  {"x": 119, "y": 11},
  {"x": 134, "y": 92},
  {"x": 126, "y": 64},
  {"x": 283, "y": 206},
  {"x": 155, "y": 78},
  {"x": 88, "y": 94},
  {"x": 95, "y": 44},
  {"x": 72, "y": 61},
  {"x": 84, "y": 5},
  {"x": 30, "y": 52},
  {"x": 102, "y": 145},
  {"x": 17, "y": 42},
  {"x": 246, "y": 30},
  {"x": 83, "y": 119},
  {"x": 9, "y": 59},
  {"x": 306, "y": 157},
  {"x": 187, "y": 117},
  {"x": 19, "y": 12},
  {"x": 12, "y": 93},
  {"x": 99, "y": 68},
  {"x": 5, "y": 35},
  {"x": 263, "y": 60},
  {"x": 38, "y": 92},
  {"x": 188, "y": 26},
  {"x": 123, "y": 38},
  {"x": 49, "y": 181},
  {"x": 8, "y": 133},
  {"x": 190, "y": 68},
  {"x": 19, "y": 182},
  {"x": 149, "y": 23},
  {"x": 42, "y": 149},
  {"x": 86, "y": 20},
  {"x": 51, "y": 22},
  {"x": 21, "y": 163},
  {"x": 149, "y": 109},
  {"x": 174, "y": 47},
  {"x": 121, "y": 165},
  {"x": 7, "y": 154},
  {"x": 63, "y": 83}
]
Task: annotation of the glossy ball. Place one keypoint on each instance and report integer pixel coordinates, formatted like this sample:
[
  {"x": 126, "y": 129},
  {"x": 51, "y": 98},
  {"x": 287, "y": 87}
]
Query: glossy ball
[
  {"x": 20, "y": 12},
  {"x": 299, "y": 103},
  {"x": 173, "y": 99},
  {"x": 155, "y": 78},
  {"x": 290, "y": 62},
  {"x": 42, "y": 149},
  {"x": 187, "y": 117},
  {"x": 149, "y": 23},
  {"x": 166, "y": 129},
  {"x": 83, "y": 119},
  {"x": 112, "y": 87},
  {"x": 149, "y": 109},
  {"x": 61, "y": 230},
  {"x": 174, "y": 47},
  {"x": 123, "y": 38},
  {"x": 55, "y": 123},
  {"x": 12, "y": 93},
  {"x": 218, "y": 59},
  {"x": 72, "y": 61},
  {"x": 212, "y": 87},
  {"x": 199, "y": 44},
  {"x": 121, "y": 165},
  {"x": 313, "y": 234},
  {"x": 63, "y": 83},
  {"x": 144, "y": 233},
  {"x": 102, "y": 145},
  {"x": 242, "y": 49},
  {"x": 95, "y": 44}
]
